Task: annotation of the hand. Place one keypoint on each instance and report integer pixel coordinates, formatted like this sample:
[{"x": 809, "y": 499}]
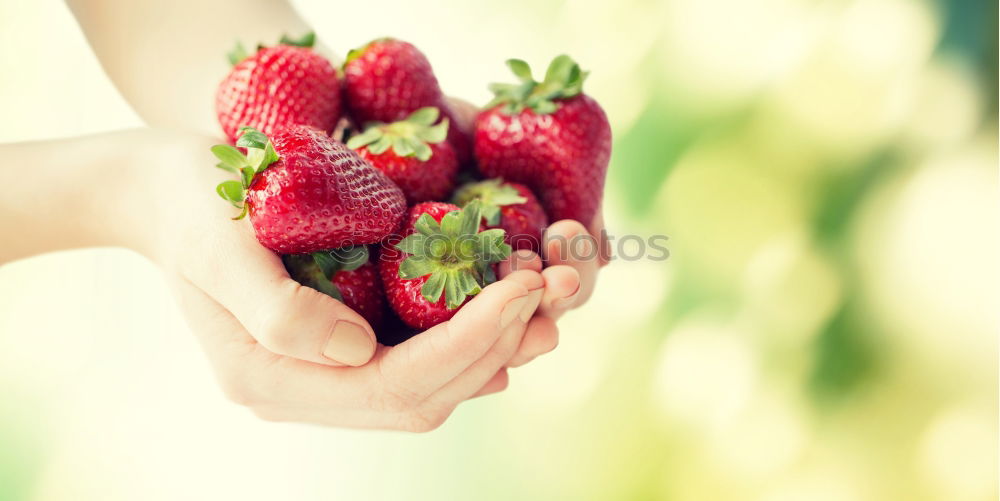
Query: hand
[
  {"x": 291, "y": 353},
  {"x": 279, "y": 347},
  {"x": 413, "y": 386}
]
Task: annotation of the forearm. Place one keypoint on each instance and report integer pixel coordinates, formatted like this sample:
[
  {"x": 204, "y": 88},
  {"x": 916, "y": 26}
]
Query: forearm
[
  {"x": 88, "y": 191},
  {"x": 166, "y": 58}
]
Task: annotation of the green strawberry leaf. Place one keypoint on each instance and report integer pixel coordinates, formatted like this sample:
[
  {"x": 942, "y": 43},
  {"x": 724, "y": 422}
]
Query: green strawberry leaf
[
  {"x": 424, "y": 116},
  {"x": 426, "y": 225},
  {"x": 367, "y": 137},
  {"x": 261, "y": 159},
  {"x": 306, "y": 40},
  {"x": 520, "y": 69},
  {"x": 491, "y": 213},
  {"x": 227, "y": 168},
  {"x": 422, "y": 151},
  {"x": 416, "y": 267},
  {"x": 560, "y": 70},
  {"x": 471, "y": 215},
  {"x": 452, "y": 293},
  {"x": 326, "y": 286},
  {"x": 455, "y": 257},
  {"x": 351, "y": 257},
  {"x": 413, "y": 244},
  {"x": 237, "y": 54},
  {"x": 360, "y": 51},
  {"x": 232, "y": 192},
  {"x": 230, "y": 157},
  {"x": 493, "y": 194},
  {"x": 304, "y": 270},
  {"x": 489, "y": 276},
  {"x": 402, "y": 147},
  {"x": 407, "y": 138},
  {"x": 352, "y": 55},
  {"x": 381, "y": 145},
  {"x": 326, "y": 263},
  {"x": 251, "y": 138},
  {"x": 347, "y": 258},
  {"x": 260, "y": 155},
  {"x": 545, "y": 107},
  {"x": 432, "y": 289},
  {"x": 451, "y": 224},
  {"x": 246, "y": 176},
  {"x": 434, "y": 134},
  {"x": 467, "y": 284},
  {"x": 563, "y": 79}
]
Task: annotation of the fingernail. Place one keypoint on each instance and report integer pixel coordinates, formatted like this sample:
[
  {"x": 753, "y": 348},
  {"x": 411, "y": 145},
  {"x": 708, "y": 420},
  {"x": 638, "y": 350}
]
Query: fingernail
[
  {"x": 588, "y": 251},
  {"x": 520, "y": 258},
  {"x": 563, "y": 303},
  {"x": 512, "y": 310},
  {"x": 349, "y": 344},
  {"x": 534, "y": 297},
  {"x": 566, "y": 302}
]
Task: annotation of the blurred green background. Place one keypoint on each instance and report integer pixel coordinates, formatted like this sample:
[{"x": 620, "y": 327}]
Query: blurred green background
[{"x": 825, "y": 328}]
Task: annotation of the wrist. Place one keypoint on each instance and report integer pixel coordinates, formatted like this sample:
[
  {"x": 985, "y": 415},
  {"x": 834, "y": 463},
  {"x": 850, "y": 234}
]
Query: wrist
[
  {"x": 92, "y": 191},
  {"x": 152, "y": 207}
]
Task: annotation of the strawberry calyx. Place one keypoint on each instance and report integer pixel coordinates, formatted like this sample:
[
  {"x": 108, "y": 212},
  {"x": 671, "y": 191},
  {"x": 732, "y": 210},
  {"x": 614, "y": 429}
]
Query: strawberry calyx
[
  {"x": 307, "y": 40},
  {"x": 358, "y": 52},
  {"x": 492, "y": 194},
  {"x": 563, "y": 79},
  {"x": 410, "y": 137},
  {"x": 316, "y": 270},
  {"x": 239, "y": 52},
  {"x": 454, "y": 255},
  {"x": 260, "y": 155}
]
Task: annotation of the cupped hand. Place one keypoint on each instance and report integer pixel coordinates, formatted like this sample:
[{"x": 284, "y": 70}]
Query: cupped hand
[
  {"x": 413, "y": 386},
  {"x": 291, "y": 353}
]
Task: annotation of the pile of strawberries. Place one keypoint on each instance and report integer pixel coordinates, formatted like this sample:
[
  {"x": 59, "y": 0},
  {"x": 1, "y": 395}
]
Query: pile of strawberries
[{"x": 361, "y": 179}]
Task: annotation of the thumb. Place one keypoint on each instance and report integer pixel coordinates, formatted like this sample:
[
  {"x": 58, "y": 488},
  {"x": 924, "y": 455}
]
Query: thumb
[{"x": 283, "y": 316}]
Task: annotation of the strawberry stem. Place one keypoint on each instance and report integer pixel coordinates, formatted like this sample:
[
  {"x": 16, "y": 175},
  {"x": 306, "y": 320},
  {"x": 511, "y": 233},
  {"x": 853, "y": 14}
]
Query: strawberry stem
[
  {"x": 317, "y": 270},
  {"x": 307, "y": 40},
  {"x": 454, "y": 255},
  {"x": 260, "y": 155},
  {"x": 409, "y": 137},
  {"x": 563, "y": 80},
  {"x": 492, "y": 193}
]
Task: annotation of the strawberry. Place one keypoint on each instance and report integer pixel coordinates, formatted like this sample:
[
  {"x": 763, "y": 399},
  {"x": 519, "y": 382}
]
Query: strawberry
[
  {"x": 346, "y": 274},
  {"x": 549, "y": 136},
  {"x": 413, "y": 153},
  {"x": 442, "y": 260},
  {"x": 306, "y": 192},
  {"x": 511, "y": 207},
  {"x": 393, "y": 331},
  {"x": 280, "y": 86},
  {"x": 387, "y": 79}
]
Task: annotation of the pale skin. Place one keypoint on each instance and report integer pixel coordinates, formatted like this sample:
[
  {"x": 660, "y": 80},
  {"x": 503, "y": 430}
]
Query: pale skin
[{"x": 287, "y": 352}]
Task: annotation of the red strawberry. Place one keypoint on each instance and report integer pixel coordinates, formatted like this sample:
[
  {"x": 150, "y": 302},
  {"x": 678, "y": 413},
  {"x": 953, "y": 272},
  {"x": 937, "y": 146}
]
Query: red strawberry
[
  {"x": 511, "y": 207},
  {"x": 306, "y": 192},
  {"x": 413, "y": 153},
  {"x": 442, "y": 261},
  {"x": 280, "y": 86},
  {"x": 388, "y": 79},
  {"x": 346, "y": 274},
  {"x": 393, "y": 331},
  {"x": 549, "y": 136}
]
